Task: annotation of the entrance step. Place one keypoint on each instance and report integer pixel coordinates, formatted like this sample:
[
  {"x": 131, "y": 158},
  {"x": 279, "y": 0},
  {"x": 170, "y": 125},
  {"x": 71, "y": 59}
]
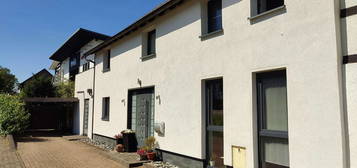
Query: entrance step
[
  {"x": 74, "y": 137},
  {"x": 127, "y": 159}
]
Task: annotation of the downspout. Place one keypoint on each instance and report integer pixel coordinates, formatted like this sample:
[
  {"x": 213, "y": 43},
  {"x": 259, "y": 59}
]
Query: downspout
[
  {"x": 342, "y": 86},
  {"x": 93, "y": 93}
]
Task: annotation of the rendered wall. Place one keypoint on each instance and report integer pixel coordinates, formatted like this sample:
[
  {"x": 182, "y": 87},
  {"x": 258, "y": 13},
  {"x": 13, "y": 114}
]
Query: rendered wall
[{"x": 301, "y": 39}]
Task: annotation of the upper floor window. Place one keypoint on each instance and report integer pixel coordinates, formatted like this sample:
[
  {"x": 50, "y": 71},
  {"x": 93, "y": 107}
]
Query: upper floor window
[
  {"x": 73, "y": 62},
  {"x": 214, "y": 15},
  {"x": 106, "y": 61},
  {"x": 151, "y": 42},
  {"x": 267, "y": 5}
]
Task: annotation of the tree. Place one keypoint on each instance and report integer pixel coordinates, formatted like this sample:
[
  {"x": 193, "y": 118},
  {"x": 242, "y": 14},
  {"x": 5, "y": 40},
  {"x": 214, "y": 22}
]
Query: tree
[
  {"x": 65, "y": 89},
  {"x": 38, "y": 87},
  {"x": 8, "y": 81},
  {"x": 13, "y": 116}
]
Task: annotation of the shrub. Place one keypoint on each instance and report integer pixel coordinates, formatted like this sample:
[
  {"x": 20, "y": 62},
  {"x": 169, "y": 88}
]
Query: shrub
[
  {"x": 65, "y": 89},
  {"x": 13, "y": 116}
]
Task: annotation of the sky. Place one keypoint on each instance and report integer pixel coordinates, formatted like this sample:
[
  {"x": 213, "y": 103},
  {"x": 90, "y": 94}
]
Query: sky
[{"x": 32, "y": 30}]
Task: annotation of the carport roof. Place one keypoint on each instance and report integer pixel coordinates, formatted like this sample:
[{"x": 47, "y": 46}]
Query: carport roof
[{"x": 50, "y": 100}]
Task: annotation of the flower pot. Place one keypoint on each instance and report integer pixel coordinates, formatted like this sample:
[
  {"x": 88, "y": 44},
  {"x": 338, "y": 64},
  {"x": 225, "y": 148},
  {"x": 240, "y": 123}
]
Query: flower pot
[
  {"x": 143, "y": 157},
  {"x": 120, "y": 141},
  {"x": 212, "y": 163},
  {"x": 151, "y": 155},
  {"x": 119, "y": 148}
]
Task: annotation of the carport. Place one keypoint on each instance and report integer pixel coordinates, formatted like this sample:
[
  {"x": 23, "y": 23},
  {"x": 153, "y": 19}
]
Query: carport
[{"x": 51, "y": 113}]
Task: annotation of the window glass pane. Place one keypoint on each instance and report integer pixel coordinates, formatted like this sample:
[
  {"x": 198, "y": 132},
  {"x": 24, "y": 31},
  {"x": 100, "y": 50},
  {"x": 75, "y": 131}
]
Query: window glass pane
[
  {"x": 215, "y": 148},
  {"x": 266, "y": 5},
  {"x": 275, "y": 152},
  {"x": 215, "y": 102},
  {"x": 275, "y": 104},
  {"x": 214, "y": 14},
  {"x": 151, "y": 42}
]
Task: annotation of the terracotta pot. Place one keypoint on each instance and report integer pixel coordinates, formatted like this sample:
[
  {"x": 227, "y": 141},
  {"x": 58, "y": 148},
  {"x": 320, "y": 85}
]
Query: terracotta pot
[
  {"x": 151, "y": 155},
  {"x": 119, "y": 148}
]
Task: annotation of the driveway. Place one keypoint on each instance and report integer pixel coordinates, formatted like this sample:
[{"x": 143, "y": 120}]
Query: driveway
[{"x": 41, "y": 150}]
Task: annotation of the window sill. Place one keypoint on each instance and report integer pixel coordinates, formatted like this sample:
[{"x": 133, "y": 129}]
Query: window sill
[
  {"x": 105, "y": 70},
  {"x": 211, "y": 34},
  {"x": 105, "y": 119},
  {"x": 252, "y": 18},
  {"x": 146, "y": 57}
]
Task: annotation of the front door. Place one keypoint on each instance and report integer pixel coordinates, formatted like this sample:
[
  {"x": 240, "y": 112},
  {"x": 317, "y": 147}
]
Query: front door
[
  {"x": 85, "y": 117},
  {"x": 141, "y": 112}
]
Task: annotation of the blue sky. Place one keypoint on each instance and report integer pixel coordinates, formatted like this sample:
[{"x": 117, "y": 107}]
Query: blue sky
[{"x": 30, "y": 31}]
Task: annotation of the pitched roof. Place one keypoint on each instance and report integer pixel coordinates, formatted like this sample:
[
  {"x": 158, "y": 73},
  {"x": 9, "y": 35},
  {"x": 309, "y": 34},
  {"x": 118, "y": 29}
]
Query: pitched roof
[
  {"x": 43, "y": 73},
  {"x": 75, "y": 42},
  {"x": 157, "y": 12}
]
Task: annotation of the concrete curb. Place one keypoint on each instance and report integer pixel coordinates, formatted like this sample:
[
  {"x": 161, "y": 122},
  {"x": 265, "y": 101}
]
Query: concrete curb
[{"x": 10, "y": 140}]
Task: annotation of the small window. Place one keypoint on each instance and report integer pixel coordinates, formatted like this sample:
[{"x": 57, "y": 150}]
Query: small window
[
  {"x": 151, "y": 42},
  {"x": 106, "y": 62},
  {"x": 214, "y": 15},
  {"x": 105, "y": 110},
  {"x": 273, "y": 120},
  {"x": 267, "y": 5}
]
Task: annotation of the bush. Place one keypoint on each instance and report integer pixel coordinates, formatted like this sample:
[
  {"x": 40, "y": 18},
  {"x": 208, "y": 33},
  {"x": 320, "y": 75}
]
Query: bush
[
  {"x": 65, "y": 89},
  {"x": 13, "y": 116}
]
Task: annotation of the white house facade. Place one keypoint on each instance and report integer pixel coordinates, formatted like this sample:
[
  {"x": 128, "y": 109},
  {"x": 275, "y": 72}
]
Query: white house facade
[{"x": 253, "y": 84}]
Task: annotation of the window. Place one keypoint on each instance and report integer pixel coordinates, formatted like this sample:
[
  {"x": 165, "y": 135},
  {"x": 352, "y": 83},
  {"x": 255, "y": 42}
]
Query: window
[
  {"x": 105, "y": 110},
  {"x": 151, "y": 40},
  {"x": 266, "y": 5},
  {"x": 85, "y": 66},
  {"x": 73, "y": 62},
  {"x": 106, "y": 62},
  {"x": 214, "y": 15},
  {"x": 273, "y": 120},
  {"x": 214, "y": 121}
]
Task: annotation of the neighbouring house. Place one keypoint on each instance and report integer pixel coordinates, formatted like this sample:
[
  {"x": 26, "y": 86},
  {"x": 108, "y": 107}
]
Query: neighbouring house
[
  {"x": 67, "y": 62},
  {"x": 249, "y": 84},
  {"x": 67, "y": 59},
  {"x": 41, "y": 74}
]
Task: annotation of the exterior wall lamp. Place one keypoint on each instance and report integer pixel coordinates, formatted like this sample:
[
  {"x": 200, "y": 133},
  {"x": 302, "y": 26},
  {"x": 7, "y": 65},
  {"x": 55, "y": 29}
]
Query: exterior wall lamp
[{"x": 90, "y": 92}]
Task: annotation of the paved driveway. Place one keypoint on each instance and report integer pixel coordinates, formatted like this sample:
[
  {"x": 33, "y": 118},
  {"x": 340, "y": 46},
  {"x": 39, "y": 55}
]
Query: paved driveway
[{"x": 51, "y": 151}]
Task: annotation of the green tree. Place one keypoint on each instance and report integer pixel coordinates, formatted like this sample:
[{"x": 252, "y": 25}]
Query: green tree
[
  {"x": 13, "y": 116},
  {"x": 65, "y": 89},
  {"x": 8, "y": 81},
  {"x": 38, "y": 87}
]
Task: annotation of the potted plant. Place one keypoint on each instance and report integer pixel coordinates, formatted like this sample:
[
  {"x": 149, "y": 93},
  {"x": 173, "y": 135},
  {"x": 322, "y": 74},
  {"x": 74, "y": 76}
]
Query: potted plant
[
  {"x": 150, "y": 144},
  {"x": 142, "y": 153},
  {"x": 119, "y": 148},
  {"x": 119, "y": 138},
  {"x": 212, "y": 161}
]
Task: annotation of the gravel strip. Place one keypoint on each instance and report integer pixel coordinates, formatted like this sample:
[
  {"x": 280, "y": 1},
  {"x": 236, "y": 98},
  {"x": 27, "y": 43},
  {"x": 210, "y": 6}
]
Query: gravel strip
[
  {"x": 159, "y": 164},
  {"x": 97, "y": 144}
]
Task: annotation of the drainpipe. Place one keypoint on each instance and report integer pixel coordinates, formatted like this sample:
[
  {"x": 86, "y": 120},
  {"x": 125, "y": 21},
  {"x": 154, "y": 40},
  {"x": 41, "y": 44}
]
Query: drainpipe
[{"x": 93, "y": 93}]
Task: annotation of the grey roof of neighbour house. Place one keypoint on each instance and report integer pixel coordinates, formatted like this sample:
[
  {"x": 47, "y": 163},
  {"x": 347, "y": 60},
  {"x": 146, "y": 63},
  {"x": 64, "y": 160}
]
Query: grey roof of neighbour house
[
  {"x": 157, "y": 12},
  {"x": 42, "y": 73},
  {"x": 75, "y": 42}
]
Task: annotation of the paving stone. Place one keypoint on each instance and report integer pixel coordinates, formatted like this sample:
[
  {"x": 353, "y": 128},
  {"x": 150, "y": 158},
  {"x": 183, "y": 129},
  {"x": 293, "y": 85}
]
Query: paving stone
[{"x": 56, "y": 152}]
